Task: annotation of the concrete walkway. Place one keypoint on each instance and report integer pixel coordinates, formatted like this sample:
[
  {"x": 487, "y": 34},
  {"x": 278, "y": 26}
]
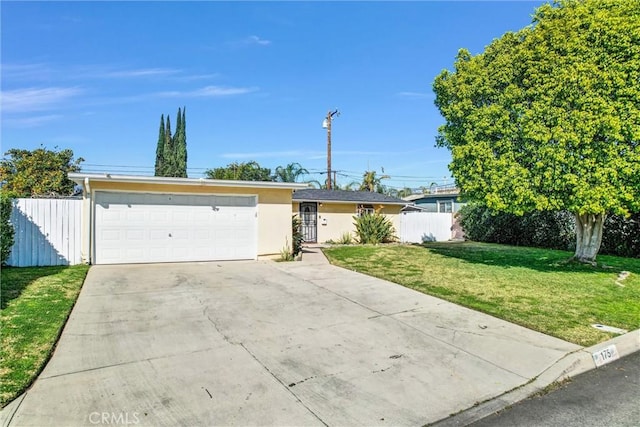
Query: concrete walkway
[
  {"x": 313, "y": 255},
  {"x": 266, "y": 343}
]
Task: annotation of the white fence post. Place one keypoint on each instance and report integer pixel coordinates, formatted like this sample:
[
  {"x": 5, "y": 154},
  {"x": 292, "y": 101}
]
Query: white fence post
[{"x": 47, "y": 232}]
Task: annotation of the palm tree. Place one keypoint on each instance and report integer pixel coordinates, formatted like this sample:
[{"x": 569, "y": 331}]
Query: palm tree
[
  {"x": 289, "y": 173},
  {"x": 373, "y": 183},
  {"x": 402, "y": 192}
]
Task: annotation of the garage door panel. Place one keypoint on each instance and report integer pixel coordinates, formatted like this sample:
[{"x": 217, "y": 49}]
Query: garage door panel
[
  {"x": 135, "y": 235},
  {"x": 136, "y": 227}
]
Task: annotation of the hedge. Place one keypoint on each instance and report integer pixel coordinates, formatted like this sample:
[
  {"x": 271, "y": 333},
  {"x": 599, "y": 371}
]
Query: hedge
[{"x": 554, "y": 230}]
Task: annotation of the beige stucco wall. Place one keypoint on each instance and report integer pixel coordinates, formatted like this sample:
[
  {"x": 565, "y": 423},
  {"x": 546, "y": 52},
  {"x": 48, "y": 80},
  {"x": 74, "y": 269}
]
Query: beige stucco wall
[
  {"x": 274, "y": 209},
  {"x": 335, "y": 219}
]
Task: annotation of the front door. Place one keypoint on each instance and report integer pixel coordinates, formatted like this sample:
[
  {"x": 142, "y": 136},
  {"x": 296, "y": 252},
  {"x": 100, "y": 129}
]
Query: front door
[{"x": 309, "y": 217}]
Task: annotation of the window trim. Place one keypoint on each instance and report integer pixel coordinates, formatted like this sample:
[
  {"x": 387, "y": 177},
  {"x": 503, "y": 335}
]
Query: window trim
[
  {"x": 442, "y": 203},
  {"x": 365, "y": 209}
]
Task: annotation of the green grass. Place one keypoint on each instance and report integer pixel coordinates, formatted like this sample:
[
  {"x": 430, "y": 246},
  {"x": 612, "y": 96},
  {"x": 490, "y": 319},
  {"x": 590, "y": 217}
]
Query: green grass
[
  {"x": 35, "y": 303},
  {"x": 535, "y": 288}
]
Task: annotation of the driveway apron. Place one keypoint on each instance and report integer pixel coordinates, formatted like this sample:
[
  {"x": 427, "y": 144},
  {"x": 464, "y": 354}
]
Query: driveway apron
[{"x": 265, "y": 343}]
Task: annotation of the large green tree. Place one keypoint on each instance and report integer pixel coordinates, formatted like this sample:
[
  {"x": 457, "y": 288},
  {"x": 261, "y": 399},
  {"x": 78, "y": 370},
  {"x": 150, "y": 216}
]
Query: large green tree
[
  {"x": 171, "y": 150},
  {"x": 243, "y": 171},
  {"x": 40, "y": 172},
  {"x": 548, "y": 118}
]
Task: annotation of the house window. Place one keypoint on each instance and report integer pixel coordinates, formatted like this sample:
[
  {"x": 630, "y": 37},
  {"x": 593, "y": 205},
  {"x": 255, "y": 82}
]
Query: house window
[
  {"x": 445, "y": 206},
  {"x": 365, "y": 210}
]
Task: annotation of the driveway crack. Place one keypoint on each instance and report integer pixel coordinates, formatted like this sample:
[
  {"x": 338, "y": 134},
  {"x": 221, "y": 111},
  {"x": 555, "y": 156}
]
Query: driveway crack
[
  {"x": 283, "y": 384},
  {"x": 217, "y": 328}
]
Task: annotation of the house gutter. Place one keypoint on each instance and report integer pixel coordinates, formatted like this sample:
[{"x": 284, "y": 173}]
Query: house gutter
[
  {"x": 350, "y": 202},
  {"x": 80, "y": 177}
]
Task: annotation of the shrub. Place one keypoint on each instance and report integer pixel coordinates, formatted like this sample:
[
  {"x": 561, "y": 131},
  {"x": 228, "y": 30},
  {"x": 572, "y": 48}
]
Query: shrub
[
  {"x": 345, "y": 239},
  {"x": 540, "y": 229},
  {"x": 7, "y": 232},
  {"x": 621, "y": 236},
  {"x": 554, "y": 230},
  {"x": 374, "y": 228},
  {"x": 297, "y": 237},
  {"x": 286, "y": 253}
]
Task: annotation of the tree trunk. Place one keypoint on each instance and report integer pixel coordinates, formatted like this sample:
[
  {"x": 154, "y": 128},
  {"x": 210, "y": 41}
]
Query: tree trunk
[{"x": 588, "y": 237}]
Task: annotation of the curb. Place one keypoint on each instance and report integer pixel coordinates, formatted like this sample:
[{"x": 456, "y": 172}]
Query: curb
[{"x": 571, "y": 365}]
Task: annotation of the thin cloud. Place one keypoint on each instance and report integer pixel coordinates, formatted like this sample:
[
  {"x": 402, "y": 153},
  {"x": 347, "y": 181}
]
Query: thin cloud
[
  {"x": 31, "y": 122},
  {"x": 208, "y": 92},
  {"x": 249, "y": 41},
  {"x": 35, "y": 71},
  {"x": 143, "y": 72},
  {"x": 193, "y": 77},
  {"x": 422, "y": 95},
  {"x": 310, "y": 155},
  {"x": 265, "y": 154},
  {"x": 257, "y": 40},
  {"x": 47, "y": 72},
  {"x": 365, "y": 153},
  {"x": 36, "y": 99}
]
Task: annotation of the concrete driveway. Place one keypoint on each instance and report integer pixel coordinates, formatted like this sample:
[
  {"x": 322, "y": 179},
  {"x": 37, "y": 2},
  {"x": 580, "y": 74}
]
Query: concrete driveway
[{"x": 264, "y": 343}]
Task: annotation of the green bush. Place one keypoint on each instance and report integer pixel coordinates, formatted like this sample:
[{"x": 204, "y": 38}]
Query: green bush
[
  {"x": 554, "y": 230},
  {"x": 297, "y": 237},
  {"x": 7, "y": 232},
  {"x": 374, "y": 228},
  {"x": 621, "y": 236},
  {"x": 345, "y": 239},
  {"x": 286, "y": 254}
]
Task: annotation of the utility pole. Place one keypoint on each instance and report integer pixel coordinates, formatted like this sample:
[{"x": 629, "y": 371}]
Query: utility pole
[{"x": 327, "y": 124}]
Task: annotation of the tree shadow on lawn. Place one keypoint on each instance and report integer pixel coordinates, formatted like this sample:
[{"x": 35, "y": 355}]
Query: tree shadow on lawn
[
  {"x": 544, "y": 260},
  {"x": 16, "y": 279}
]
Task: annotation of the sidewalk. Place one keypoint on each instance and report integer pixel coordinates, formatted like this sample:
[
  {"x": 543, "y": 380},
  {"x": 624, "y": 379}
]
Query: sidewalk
[{"x": 312, "y": 254}]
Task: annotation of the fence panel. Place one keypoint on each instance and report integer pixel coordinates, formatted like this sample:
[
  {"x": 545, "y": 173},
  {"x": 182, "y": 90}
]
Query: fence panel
[
  {"x": 47, "y": 232},
  {"x": 419, "y": 227}
]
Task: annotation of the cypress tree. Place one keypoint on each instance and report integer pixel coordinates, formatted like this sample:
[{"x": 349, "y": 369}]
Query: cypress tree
[
  {"x": 160, "y": 149},
  {"x": 181, "y": 145},
  {"x": 169, "y": 157},
  {"x": 176, "y": 145},
  {"x": 171, "y": 152}
]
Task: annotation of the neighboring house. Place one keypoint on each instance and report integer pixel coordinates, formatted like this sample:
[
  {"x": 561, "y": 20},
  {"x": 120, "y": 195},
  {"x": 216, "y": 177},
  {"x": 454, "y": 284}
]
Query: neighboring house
[
  {"x": 448, "y": 202},
  {"x": 135, "y": 219},
  {"x": 328, "y": 214}
]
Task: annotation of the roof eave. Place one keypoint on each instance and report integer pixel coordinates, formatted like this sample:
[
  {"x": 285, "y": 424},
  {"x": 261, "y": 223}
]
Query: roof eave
[
  {"x": 368, "y": 202},
  {"x": 79, "y": 178}
]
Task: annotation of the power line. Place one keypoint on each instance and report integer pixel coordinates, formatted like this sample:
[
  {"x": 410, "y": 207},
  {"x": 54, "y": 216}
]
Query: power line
[{"x": 96, "y": 167}]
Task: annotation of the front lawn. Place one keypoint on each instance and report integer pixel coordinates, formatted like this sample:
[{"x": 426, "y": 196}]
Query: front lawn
[
  {"x": 535, "y": 288},
  {"x": 35, "y": 303}
]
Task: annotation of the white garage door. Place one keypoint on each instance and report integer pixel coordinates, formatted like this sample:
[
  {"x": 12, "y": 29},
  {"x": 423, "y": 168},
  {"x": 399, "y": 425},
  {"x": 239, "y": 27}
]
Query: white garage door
[{"x": 140, "y": 227}]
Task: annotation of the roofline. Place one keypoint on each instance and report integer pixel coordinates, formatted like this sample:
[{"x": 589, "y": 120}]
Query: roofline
[
  {"x": 367, "y": 202},
  {"x": 79, "y": 178},
  {"x": 415, "y": 197}
]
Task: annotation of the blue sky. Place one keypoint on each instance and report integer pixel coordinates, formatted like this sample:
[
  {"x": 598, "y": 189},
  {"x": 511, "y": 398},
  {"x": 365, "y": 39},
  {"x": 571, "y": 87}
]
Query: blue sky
[{"x": 257, "y": 79}]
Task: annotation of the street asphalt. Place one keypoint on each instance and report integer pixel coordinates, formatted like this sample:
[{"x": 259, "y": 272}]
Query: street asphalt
[
  {"x": 298, "y": 343},
  {"x": 607, "y": 396}
]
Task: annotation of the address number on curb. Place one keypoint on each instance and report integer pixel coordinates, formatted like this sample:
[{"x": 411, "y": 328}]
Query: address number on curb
[{"x": 605, "y": 355}]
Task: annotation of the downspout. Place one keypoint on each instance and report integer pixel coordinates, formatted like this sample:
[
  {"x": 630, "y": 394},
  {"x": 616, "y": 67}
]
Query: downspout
[{"x": 88, "y": 220}]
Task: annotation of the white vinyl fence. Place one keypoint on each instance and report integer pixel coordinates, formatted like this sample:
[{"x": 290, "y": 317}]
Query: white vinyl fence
[
  {"x": 420, "y": 227},
  {"x": 47, "y": 232}
]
